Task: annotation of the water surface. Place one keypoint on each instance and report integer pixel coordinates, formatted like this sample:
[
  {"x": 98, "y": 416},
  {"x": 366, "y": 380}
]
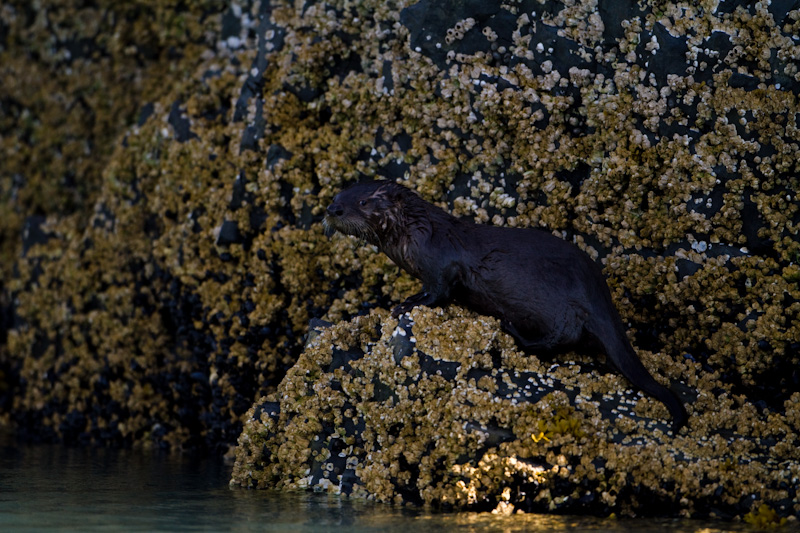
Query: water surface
[{"x": 43, "y": 488}]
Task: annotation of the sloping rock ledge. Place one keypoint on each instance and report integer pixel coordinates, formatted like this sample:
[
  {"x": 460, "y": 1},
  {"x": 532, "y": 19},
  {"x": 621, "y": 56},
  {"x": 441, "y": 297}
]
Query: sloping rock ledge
[{"x": 440, "y": 408}]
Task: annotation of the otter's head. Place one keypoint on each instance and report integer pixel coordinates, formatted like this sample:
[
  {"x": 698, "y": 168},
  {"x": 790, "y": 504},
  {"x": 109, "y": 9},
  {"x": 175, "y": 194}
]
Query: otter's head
[{"x": 368, "y": 210}]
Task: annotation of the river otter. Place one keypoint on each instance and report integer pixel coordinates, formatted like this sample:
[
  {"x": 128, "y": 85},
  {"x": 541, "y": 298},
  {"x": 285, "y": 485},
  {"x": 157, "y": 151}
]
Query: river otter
[{"x": 548, "y": 294}]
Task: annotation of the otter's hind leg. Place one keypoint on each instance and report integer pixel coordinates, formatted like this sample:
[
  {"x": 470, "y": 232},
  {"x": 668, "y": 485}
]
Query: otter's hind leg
[{"x": 543, "y": 345}]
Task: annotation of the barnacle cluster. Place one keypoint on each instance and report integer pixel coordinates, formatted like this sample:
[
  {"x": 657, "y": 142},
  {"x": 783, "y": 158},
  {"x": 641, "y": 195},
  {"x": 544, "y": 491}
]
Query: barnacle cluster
[
  {"x": 171, "y": 288},
  {"x": 456, "y": 33}
]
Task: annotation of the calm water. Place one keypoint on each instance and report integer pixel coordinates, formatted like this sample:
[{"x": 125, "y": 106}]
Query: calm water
[{"x": 49, "y": 487}]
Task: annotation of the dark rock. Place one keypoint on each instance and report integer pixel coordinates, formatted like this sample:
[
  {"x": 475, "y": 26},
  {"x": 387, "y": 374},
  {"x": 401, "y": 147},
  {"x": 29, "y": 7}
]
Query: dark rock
[
  {"x": 708, "y": 204},
  {"x": 386, "y": 72},
  {"x": 686, "y": 268},
  {"x": 781, "y": 9},
  {"x": 670, "y": 58},
  {"x": 229, "y": 234},
  {"x": 575, "y": 177},
  {"x": 752, "y": 222},
  {"x": 720, "y": 43},
  {"x": 231, "y": 25},
  {"x": 562, "y": 53},
  {"x": 33, "y": 234},
  {"x": 211, "y": 74},
  {"x": 401, "y": 340},
  {"x": 743, "y": 81},
  {"x": 145, "y": 112},
  {"x": 181, "y": 125},
  {"x": 239, "y": 192},
  {"x": 254, "y": 84},
  {"x": 315, "y": 327},
  {"x": 304, "y": 93},
  {"x": 251, "y": 135},
  {"x": 257, "y": 218},
  {"x": 437, "y": 367},
  {"x": 428, "y": 20},
  {"x": 276, "y": 153},
  {"x": 342, "y": 358},
  {"x": 3, "y": 35},
  {"x": 613, "y": 14}
]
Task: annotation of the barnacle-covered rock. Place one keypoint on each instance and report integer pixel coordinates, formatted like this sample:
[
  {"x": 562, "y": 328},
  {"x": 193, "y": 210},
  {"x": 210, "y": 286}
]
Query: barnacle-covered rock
[
  {"x": 74, "y": 79},
  {"x": 156, "y": 304},
  {"x": 662, "y": 139},
  {"x": 441, "y": 408}
]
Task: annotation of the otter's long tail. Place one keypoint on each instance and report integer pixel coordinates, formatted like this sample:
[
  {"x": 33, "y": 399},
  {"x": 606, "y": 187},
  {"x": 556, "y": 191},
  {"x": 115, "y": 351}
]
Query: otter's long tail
[{"x": 621, "y": 355}]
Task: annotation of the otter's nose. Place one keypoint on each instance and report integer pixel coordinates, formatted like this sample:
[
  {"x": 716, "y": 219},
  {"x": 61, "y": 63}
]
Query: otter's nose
[{"x": 335, "y": 210}]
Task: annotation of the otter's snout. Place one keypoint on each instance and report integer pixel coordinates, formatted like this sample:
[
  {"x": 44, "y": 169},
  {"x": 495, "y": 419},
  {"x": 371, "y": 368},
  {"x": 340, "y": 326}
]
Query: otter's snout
[{"x": 335, "y": 210}]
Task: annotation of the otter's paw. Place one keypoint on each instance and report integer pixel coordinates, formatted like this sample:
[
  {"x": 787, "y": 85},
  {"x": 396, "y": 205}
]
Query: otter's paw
[
  {"x": 421, "y": 298},
  {"x": 401, "y": 309}
]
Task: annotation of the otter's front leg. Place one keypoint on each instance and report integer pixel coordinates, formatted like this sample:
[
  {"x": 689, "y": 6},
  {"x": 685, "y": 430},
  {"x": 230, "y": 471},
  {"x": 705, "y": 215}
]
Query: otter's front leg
[
  {"x": 421, "y": 298},
  {"x": 432, "y": 295},
  {"x": 436, "y": 290}
]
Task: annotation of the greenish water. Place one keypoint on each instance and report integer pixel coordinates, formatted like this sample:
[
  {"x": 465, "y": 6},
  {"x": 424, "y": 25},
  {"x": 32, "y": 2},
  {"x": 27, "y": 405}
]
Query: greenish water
[{"x": 44, "y": 488}]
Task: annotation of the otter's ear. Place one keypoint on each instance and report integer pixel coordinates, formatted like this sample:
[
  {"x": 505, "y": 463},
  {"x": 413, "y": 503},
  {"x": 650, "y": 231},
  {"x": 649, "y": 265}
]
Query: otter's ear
[
  {"x": 386, "y": 196},
  {"x": 394, "y": 192}
]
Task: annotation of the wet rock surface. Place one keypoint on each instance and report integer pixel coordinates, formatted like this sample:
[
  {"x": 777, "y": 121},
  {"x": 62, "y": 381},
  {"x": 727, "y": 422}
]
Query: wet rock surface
[{"x": 163, "y": 187}]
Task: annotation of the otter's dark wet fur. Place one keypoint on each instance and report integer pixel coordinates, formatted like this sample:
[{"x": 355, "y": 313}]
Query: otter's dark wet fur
[{"x": 548, "y": 294}]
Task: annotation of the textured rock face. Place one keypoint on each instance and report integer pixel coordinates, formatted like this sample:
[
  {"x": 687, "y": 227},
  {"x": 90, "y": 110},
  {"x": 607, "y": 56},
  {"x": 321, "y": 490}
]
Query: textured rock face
[
  {"x": 74, "y": 77},
  {"x": 441, "y": 408},
  {"x": 660, "y": 138}
]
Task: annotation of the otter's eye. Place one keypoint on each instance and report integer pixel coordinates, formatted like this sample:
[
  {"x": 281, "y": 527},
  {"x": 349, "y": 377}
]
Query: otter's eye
[{"x": 362, "y": 203}]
